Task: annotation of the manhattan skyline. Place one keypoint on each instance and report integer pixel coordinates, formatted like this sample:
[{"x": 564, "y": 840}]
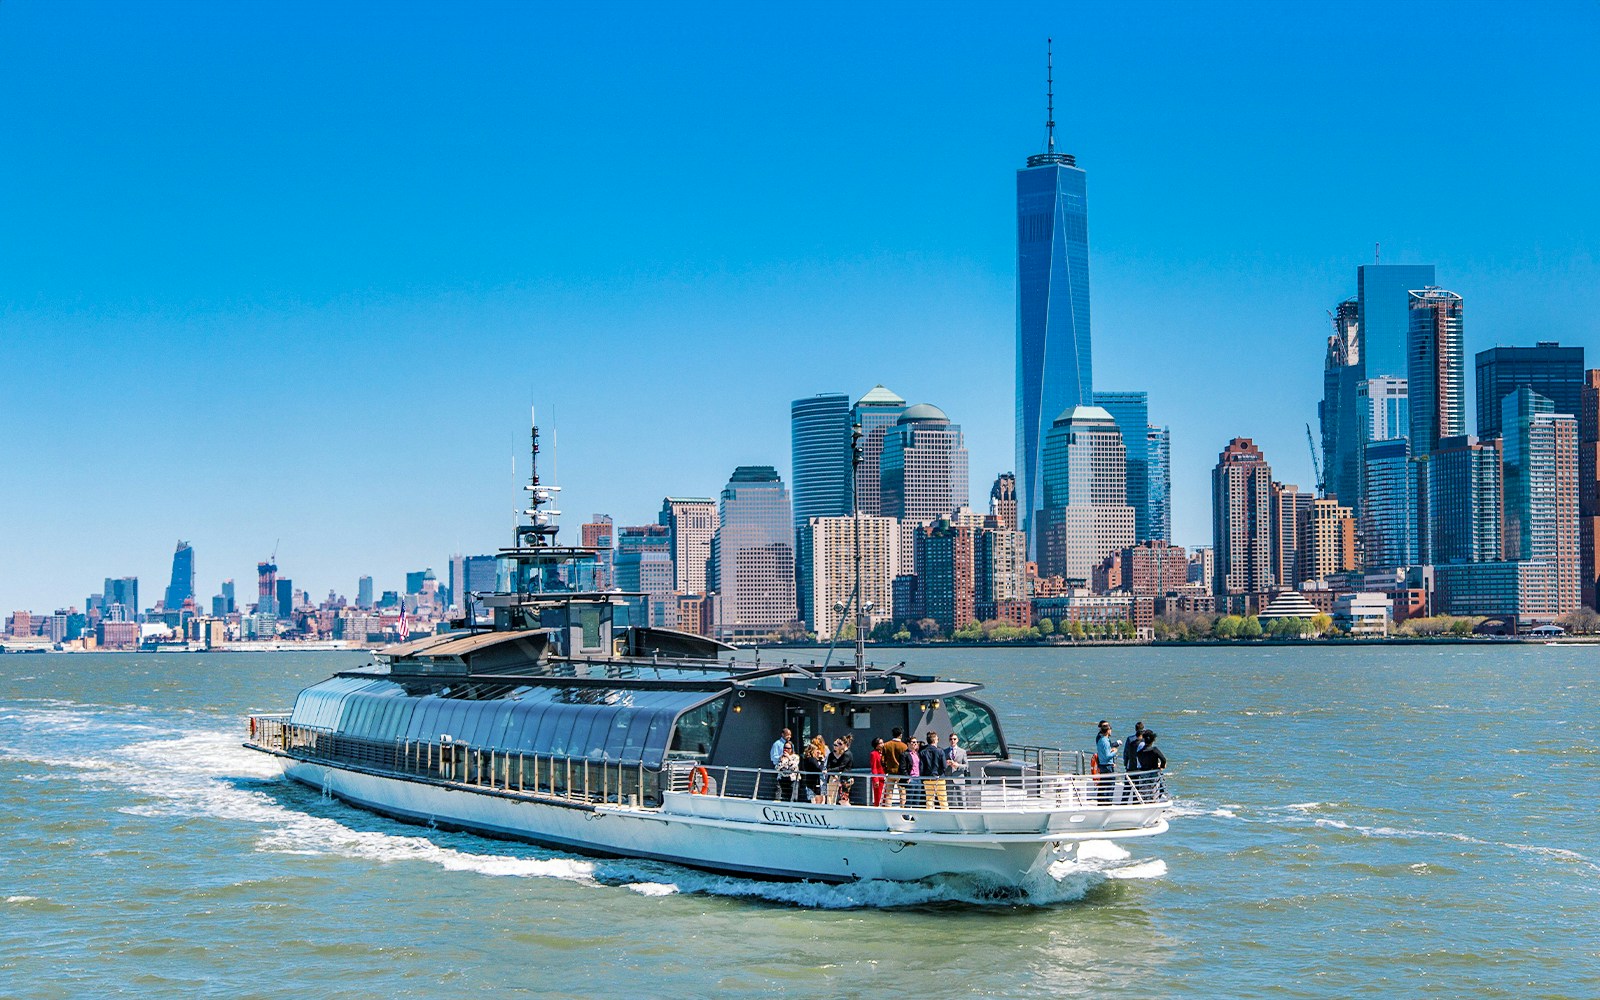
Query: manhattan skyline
[{"x": 293, "y": 304}]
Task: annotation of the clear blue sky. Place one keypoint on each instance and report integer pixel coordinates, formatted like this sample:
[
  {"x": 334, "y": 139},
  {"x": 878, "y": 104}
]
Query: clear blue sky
[{"x": 297, "y": 270}]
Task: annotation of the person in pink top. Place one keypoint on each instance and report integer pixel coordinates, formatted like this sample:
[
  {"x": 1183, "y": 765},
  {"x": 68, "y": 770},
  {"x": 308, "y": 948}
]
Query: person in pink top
[{"x": 877, "y": 770}]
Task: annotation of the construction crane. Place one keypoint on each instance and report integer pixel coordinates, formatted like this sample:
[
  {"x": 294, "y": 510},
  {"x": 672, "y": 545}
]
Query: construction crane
[{"x": 1316, "y": 466}]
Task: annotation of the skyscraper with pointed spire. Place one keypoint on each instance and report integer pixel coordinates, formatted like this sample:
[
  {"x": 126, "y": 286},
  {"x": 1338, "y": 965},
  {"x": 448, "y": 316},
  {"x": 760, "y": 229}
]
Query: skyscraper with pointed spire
[{"x": 1054, "y": 372}]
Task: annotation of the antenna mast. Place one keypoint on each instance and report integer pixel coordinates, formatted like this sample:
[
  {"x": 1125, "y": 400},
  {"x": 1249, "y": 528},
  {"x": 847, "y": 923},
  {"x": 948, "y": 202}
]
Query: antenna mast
[{"x": 1050, "y": 93}]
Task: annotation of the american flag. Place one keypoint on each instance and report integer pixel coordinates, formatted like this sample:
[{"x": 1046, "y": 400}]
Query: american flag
[{"x": 404, "y": 626}]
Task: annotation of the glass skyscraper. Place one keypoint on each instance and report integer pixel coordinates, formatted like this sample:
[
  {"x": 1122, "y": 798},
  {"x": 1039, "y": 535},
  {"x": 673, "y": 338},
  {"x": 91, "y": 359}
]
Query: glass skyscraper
[
  {"x": 819, "y": 428},
  {"x": 1131, "y": 411},
  {"x": 1159, "y": 499},
  {"x": 1552, "y": 371},
  {"x": 1435, "y": 376},
  {"x": 1054, "y": 369},
  {"x": 1382, "y": 294},
  {"x": 182, "y": 586},
  {"x": 752, "y": 554},
  {"x": 875, "y": 413}
]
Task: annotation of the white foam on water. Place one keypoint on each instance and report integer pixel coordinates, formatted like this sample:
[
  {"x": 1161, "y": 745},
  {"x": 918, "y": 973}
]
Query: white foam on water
[
  {"x": 1304, "y": 807},
  {"x": 1101, "y": 850},
  {"x": 1559, "y": 853},
  {"x": 21, "y": 899},
  {"x": 1146, "y": 869},
  {"x": 1186, "y": 808},
  {"x": 652, "y": 888}
]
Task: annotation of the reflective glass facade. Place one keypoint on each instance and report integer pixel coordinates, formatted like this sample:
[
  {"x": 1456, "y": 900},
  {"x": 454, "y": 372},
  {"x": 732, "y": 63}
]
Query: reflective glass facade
[
  {"x": 1158, "y": 441},
  {"x": 1131, "y": 411},
  {"x": 1054, "y": 366},
  {"x": 1552, "y": 371},
  {"x": 601, "y": 724},
  {"x": 1388, "y": 519},
  {"x": 753, "y": 554},
  {"x": 1382, "y": 294},
  {"x": 1436, "y": 375},
  {"x": 823, "y": 484}
]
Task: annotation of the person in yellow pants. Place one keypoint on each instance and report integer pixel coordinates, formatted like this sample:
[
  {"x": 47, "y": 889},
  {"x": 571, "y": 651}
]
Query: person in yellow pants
[{"x": 934, "y": 761}]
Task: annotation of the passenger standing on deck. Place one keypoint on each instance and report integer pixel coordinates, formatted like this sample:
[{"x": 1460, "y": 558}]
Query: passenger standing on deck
[
  {"x": 788, "y": 771},
  {"x": 913, "y": 765},
  {"x": 957, "y": 769},
  {"x": 840, "y": 763},
  {"x": 813, "y": 764},
  {"x": 1105, "y": 759},
  {"x": 1131, "y": 747},
  {"x": 784, "y": 740},
  {"x": 894, "y": 763},
  {"x": 1153, "y": 761},
  {"x": 877, "y": 768},
  {"x": 934, "y": 762}
]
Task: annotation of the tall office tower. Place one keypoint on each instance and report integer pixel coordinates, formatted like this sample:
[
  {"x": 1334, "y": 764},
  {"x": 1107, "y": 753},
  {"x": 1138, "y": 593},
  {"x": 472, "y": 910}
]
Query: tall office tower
[
  {"x": 1054, "y": 365},
  {"x": 284, "y": 597},
  {"x": 598, "y": 535},
  {"x": 875, "y": 414},
  {"x": 1461, "y": 516},
  {"x": 946, "y": 584},
  {"x": 1158, "y": 446},
  {"x": 922, "y": 474},
  {"x": 1383, "y": 315},
  {"x": 1241, "y": 520},
  {"x": 266, "y": 588},
  {"x": 1552, "y": 371},
  {"x": 1289, "y": 512},
  {"x": 1383, "y": 407},
  {"x": 1202, "y": 567},
  {"x": 1540, "y": 470},
  {"x": 1085, "y": 516},
  {"x": 833, "y": 569},
  {"x": 1000, "y": 563},
  {"x": 414, "y": 580},
  {"x": 479, "y": 575},
  {"x": 1436, "y": 376},
  {"x": 823, "y": 484},
  {"x": 228, "y": 596},
  {"x": 456, "y": 580},
  {"x": 1003, "y": 500},
  {"x": 1589, "y": 485},
  {"x": 692, "y": 523},
  {"x": 1131, "y": 411},
  {"x": 1338, "y": 412},
  {"x": 1329, "y": 536},
  {"x": 182, "y": 586},
  {"x": 752, "y": 554},
  {"x": 1389, "y": 517},
  {"x": 644, "y": 566},
  {"x": 364, "y": 593},
  {"x": 124, "y": 591},
  {"x": 1154, "y": 568}
]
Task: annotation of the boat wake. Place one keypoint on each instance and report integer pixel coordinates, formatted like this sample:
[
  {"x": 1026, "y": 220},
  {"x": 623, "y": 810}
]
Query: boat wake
[{"x": 205, "y": 774}]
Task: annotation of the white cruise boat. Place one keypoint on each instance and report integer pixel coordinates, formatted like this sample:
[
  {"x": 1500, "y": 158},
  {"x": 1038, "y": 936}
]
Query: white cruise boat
[{"x": 567, "y": 724}]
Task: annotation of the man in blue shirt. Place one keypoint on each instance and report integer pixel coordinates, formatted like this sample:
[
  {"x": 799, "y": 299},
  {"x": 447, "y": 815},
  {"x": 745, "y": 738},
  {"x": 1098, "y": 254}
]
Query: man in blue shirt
[
  {"x": 1105, "y": 756},
  {"x": 777, "y": 749}
]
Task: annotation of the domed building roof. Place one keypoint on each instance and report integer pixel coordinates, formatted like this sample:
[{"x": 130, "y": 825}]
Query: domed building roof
[
  {"x": 1085, "y": 414},
  {"x": 922, "y": 413},
  {"x": 879, "y": 396}
]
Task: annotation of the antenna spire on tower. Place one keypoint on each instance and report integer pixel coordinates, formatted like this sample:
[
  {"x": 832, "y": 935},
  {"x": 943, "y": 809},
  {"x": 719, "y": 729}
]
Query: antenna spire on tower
[{"x": 1050, "y": 93}]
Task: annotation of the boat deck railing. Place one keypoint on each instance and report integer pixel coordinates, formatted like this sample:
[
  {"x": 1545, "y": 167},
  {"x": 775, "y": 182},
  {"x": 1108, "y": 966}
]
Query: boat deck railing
[
  {"x": 510, "y": 772},
  {"x": 1027, "y": 791}
]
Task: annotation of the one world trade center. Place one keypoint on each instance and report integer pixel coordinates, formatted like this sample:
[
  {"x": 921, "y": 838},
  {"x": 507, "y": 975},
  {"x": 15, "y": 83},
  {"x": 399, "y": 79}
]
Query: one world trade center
[{"x": 1053, "y": 358}]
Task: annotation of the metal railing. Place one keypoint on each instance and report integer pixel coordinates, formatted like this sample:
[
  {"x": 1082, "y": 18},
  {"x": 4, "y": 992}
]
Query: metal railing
[
  {"x": 511, "y": 772},
  {"x": 1052, "y": 760},
  {"x": 893, "y": 791}
]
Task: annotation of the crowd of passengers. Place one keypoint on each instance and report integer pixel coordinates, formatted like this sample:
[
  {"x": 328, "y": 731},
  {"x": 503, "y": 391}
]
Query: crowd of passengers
[{"x": 913, "y": 773}]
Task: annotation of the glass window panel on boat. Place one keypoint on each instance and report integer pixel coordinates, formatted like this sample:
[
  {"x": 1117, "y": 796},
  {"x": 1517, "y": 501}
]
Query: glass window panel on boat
[
  {"x": 974, "y": 722},
  {"x": 629, "y": 726}
]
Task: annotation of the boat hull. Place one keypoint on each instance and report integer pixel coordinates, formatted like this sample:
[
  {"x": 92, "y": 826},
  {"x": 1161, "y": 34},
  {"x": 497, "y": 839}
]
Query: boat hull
[{"x": 780, "y": 850}]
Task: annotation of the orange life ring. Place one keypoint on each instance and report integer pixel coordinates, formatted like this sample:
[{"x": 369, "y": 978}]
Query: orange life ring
[{"x": 699, "y": 781}]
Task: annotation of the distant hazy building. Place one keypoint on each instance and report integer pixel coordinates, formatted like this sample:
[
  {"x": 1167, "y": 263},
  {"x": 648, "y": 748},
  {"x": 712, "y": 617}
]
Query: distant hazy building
[
  {"x": 874, "y": 415},
  {"x": 1000, "y": 564},
  {"x": 1158, "y": 445},
  {"x": 1054, "y": 360},
  {"x": 1436, "y": 375},
  {"x": 1131, "y": 411},
  {"x": 599, "y": 534},
  {"x": 1086, "y": 516},
  {"x": 1241, "y": 519},
  {"x": 284, "y": 597},
  {"x": 1202, "y": 567},
  {"x": 1550, "y": 370},
  {"x": 1329, "y": 540},
  {"x": 266, "y": 588},
  {"x": 1339, "y": 412},
  {"x": 1589, "y": 486},
  {"x": 691, "y": 523},
  {"x": 1003, "y": 500},
  {"x": 1290, "y": 517},
  {"x": 946, "y": 579},
  {"x": 363, "y": 592},
  {"x": 823, "y": 483},
  {"x": 644, "y": 566},
  {"x": 478, "y": 576},
  {"x": 1540, "y": 470},
  {"x": 1459, "y": 498},
  {"x": 922, "y": 474},
  {"x": 1389, "y": 517},
  {"x": 753, "y": 554},
  {"x": 181, "y": 588},
  {"x": 832, "y": 574}
]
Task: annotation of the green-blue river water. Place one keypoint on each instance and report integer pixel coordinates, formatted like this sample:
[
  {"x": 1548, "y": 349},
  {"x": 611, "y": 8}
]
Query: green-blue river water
[{"x": 1398, "y": 822}]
